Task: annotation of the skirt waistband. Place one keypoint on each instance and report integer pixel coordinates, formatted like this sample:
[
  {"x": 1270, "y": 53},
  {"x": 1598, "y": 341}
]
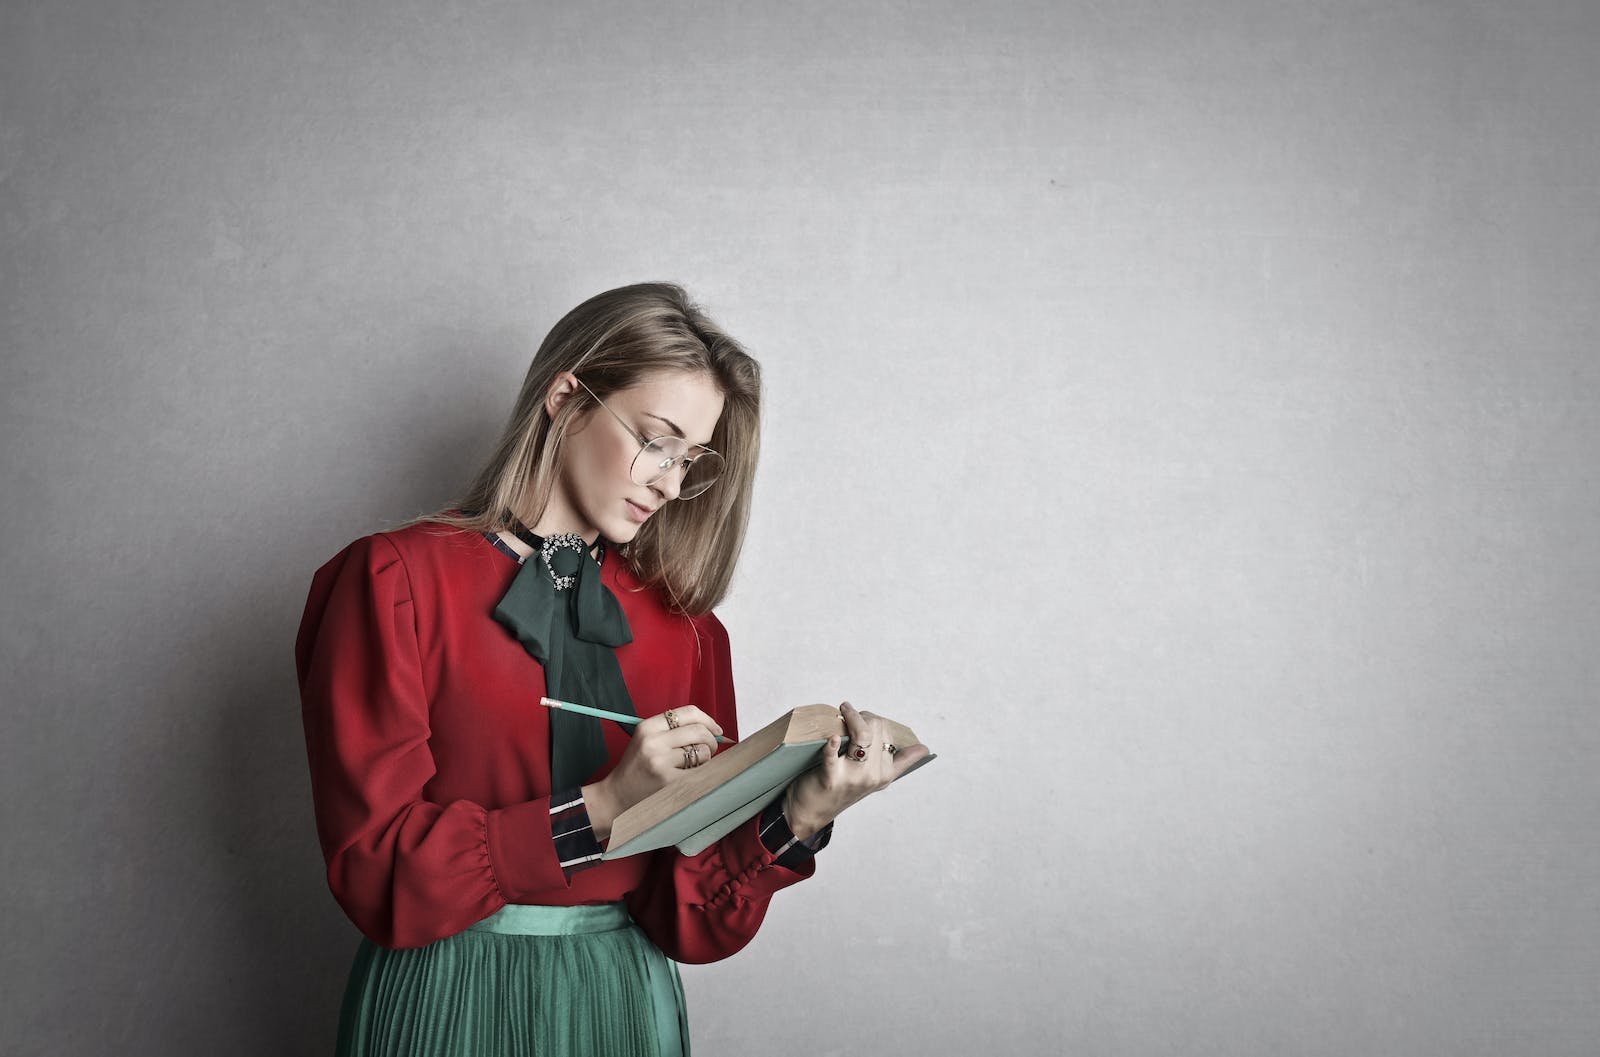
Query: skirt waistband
[{"x": 516, "y": 919}]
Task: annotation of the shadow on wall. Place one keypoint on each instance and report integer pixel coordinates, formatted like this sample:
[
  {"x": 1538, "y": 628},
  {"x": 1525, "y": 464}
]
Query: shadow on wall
[{"x": 285, "y": 944}]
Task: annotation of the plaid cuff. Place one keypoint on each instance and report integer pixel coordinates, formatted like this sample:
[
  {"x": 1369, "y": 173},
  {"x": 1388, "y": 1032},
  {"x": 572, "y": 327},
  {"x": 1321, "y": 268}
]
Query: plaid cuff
[
  {"x": 574, "y": 833},
  {"x": 789, "y": 851}
]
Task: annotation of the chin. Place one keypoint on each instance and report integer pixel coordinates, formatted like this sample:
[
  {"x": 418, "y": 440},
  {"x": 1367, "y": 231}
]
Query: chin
[{"x": 622, "y": 531}]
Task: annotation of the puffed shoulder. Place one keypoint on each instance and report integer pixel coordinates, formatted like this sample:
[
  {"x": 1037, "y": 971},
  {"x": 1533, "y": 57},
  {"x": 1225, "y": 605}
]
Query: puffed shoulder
[
  {"x": 373, "y": 557},
  {"x": 375, "y": 553},
  {"x": 367, "y": 577}
]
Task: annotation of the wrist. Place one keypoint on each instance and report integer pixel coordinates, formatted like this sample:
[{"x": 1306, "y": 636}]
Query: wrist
[
  {"x": 601, "y": 804},
  {"x": 802, "y": 823}
]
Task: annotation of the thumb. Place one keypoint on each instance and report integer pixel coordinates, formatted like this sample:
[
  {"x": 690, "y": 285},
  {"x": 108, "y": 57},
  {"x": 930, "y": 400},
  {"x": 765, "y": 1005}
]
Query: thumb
[{"x": 831, "y": 760}]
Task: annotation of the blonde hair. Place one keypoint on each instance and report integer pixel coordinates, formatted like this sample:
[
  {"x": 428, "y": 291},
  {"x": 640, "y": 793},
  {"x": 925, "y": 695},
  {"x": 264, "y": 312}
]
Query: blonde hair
[{"x": 688, "y": 550}]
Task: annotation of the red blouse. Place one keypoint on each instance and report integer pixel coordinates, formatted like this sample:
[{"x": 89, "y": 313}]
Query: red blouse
[{"x": 429, "y": 751}]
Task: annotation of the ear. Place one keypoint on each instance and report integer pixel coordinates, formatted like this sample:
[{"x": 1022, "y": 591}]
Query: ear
[{"x": 560, "y": 391}]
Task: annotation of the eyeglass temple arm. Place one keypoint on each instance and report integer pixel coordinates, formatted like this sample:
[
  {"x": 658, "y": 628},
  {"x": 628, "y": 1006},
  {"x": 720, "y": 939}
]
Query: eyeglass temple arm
[{"x": 641, "y": 438}]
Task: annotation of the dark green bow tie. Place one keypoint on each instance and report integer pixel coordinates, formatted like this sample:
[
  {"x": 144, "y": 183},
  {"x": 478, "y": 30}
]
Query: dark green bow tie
[{"x": 568, "y": 621}]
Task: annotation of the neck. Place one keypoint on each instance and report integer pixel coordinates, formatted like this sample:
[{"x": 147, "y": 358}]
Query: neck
[
  {"x": 546, "y": 528},
  {"x": 525, "y": 548},
  {"x": 550, "y": 523}
]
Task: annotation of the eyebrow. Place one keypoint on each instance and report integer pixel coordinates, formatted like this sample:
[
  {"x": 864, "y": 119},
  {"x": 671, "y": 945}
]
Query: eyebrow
[
  {"x": 676, "y": 429},
  {"x": 670, "y": 424}
]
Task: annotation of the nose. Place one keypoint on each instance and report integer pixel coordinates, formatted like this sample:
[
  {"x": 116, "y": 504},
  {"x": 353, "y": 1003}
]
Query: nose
[{"x": 670, "y": 483}]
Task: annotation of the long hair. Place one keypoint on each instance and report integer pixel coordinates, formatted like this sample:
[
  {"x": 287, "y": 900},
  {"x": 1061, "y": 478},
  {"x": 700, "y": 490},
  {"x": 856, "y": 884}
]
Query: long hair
[{"x": 688, "y": 549}]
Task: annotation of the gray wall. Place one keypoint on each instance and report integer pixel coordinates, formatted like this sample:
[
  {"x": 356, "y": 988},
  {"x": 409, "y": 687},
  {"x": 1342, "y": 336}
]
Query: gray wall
[{"x": 1183, "y": 415}]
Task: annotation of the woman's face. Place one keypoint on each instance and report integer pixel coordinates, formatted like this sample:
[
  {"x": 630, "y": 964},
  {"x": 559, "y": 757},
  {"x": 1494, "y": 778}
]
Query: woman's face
[{"x": 594, "y": 491}]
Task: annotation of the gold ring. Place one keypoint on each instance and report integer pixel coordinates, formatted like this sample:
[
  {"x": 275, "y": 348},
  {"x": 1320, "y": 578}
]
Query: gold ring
[
  {"x": 672, "y": 719},
  {"x": 691, "y": 755},
  {"x": 890, "y": 747}
]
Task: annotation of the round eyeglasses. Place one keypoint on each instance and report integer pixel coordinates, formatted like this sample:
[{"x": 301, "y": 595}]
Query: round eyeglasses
[{"x": 699, "y": 465}]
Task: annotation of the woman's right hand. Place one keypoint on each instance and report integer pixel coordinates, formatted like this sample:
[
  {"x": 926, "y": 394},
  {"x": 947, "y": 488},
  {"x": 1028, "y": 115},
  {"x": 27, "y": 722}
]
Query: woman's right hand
[{"x": 659, "y": 753}]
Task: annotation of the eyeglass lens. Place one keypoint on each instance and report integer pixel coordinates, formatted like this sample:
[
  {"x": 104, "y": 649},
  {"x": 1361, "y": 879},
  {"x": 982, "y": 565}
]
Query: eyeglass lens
[{"x": 666, "y": 455}]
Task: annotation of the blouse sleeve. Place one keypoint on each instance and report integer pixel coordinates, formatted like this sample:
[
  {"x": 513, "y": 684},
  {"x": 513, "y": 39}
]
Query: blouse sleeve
[
  {"x": 407, "y": 871},
  {"x": 705, "y": 907}
]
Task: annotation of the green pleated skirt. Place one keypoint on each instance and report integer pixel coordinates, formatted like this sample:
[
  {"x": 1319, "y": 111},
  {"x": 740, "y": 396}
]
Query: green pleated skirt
[{"x": 527, "y": 981}]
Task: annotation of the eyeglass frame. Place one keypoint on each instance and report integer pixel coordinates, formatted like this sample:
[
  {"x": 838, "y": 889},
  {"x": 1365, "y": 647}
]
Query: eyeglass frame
[{"x": 645, "y": 442}]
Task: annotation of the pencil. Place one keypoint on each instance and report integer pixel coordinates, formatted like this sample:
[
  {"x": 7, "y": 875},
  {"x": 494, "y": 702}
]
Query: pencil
[{"x": 600, "y": 713}]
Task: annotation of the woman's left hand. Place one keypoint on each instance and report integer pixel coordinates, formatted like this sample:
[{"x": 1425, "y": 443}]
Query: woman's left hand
[{"x": 817, "y": 797}]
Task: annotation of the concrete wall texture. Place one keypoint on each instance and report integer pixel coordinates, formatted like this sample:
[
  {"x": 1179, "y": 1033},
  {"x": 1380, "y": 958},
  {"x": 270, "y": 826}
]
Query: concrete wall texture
[{"x": 1184, "y": 415}]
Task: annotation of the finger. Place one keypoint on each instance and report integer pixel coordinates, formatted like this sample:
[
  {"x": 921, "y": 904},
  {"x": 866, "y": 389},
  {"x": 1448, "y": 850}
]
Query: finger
[
  {"x": 697, "y": 753},
  {"x": 872, "y": 735},
  {"x": 871, "y": 764},
  {"x": 908, "y": 756},
  {"x": 881, "y": 758},
  {"x": 694, "y": 714},
  {"x": 832, "y": 762},
  {"x": 685, "y": 757},
  {"x": 673, "y": 760},
  {"x": 678, "y": 739},
  {"x": 690, "y": 756},
  {"x": 856, "y": 727},
  {"x": 872, "y": 743},
  {"x": 656, "y": 724}
]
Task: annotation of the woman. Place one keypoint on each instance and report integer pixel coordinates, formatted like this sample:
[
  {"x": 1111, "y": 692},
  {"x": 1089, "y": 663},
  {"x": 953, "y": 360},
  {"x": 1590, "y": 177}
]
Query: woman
[{"x": 463, "y": 824}]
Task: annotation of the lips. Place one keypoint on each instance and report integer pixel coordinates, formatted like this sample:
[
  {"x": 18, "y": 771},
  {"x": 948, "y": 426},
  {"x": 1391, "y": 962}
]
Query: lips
[{"x": 639, "y": 513}]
